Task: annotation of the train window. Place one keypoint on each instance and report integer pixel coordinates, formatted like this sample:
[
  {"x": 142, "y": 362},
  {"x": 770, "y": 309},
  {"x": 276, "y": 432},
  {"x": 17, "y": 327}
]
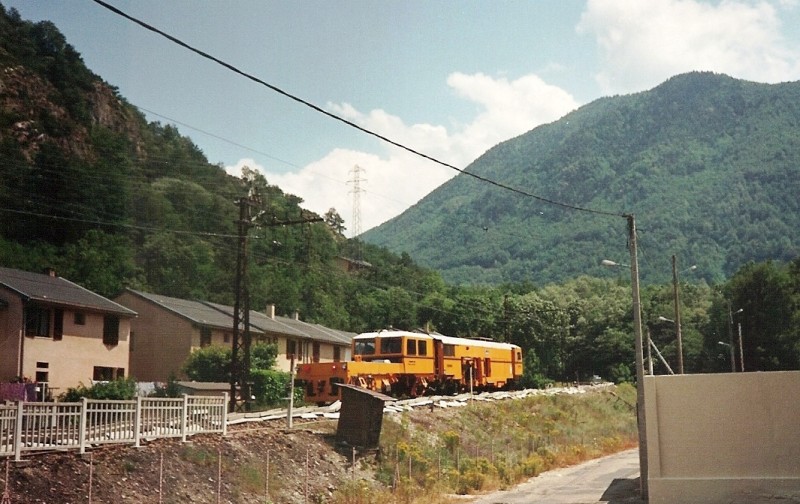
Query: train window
[
  {"x": 449, "y": 351},
  {"x": 365, "y": 347},
  {"x": 391, "y": 346},
  {"x": 411, "y": 347},
  {"x": 422, "y": 346}
]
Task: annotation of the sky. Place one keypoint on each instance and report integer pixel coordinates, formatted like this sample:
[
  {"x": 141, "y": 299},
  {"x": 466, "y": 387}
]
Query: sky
[{"x": 448, "y": 78}]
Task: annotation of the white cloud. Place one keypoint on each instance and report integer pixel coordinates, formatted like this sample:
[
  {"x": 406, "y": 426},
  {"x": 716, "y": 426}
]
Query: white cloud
[
  {"x": 644, "y": 43},
  {"x": 397, "y": 179}
]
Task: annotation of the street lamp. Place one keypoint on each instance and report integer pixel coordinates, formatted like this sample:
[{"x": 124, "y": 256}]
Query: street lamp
[
  {"x": 676, "y": 296},
  {"x": 731, "y": 313},
  {"x": 639, "y": 349},
  {"x": 739, "y": 327},
  {"x": 730, "y": 348}
]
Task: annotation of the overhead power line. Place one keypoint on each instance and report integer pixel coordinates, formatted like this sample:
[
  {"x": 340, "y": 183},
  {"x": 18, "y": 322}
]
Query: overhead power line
[{"x": 322, "y": 111}]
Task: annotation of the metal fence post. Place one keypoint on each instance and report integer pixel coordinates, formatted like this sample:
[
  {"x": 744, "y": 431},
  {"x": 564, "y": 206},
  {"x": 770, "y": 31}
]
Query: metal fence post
[
  {"x": 225, "y": 416},
  {"x": 137, "y": 423},
  {"x": 184, "y": 417},
  {"x": 82, "y": 433},
  {"x": 18, "y": 434}
]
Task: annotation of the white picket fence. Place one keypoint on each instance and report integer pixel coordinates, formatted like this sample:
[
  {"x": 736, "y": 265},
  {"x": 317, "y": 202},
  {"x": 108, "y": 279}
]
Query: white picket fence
[{"x": 37, "y": 426}]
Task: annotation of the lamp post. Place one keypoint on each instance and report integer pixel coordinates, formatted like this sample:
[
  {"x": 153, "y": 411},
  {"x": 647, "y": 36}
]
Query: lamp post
[
  {"x": 639, "y": 348},
  {"x": 676, "y": 297},
  {"x": 730, "y": 348},
  {"x": 741, "y": 350},
  {"x": 731, "y": 313}
]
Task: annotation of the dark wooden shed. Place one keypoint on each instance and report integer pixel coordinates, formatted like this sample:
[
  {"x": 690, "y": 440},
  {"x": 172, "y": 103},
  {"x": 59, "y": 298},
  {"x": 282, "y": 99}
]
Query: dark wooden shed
[{"x": 361, "y": 416}]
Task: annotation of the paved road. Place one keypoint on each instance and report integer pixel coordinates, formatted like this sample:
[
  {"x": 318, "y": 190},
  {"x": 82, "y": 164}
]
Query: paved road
[{"x": 612, "y": 479}]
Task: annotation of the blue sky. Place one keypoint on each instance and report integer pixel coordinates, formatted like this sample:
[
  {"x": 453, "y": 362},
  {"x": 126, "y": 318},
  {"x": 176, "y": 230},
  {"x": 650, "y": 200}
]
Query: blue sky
[{"x": 450, "y": 78}]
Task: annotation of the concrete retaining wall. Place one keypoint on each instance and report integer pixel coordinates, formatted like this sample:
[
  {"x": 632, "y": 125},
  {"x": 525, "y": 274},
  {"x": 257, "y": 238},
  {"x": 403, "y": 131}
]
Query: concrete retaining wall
[{"x": 723, "y": 438}]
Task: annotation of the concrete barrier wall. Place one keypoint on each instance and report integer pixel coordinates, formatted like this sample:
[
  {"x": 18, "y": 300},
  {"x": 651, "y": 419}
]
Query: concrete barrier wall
[{"x": 723, "y": 438}]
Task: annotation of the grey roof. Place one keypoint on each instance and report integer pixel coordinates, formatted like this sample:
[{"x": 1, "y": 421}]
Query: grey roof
[
  {"x": 261, "y": 321},
  {"x": 221, "y": 316},
  {"x": 194, "y": 385},
  {"x": 320, "y": 333},
  {"x": 194, "y": 311},
  {"x": 58, "y": 291},
  {"x": 292, "y": 327}
]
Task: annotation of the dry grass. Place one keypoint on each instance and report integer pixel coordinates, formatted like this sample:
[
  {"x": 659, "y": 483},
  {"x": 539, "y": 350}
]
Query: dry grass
[{"x": 427, "y": 457}]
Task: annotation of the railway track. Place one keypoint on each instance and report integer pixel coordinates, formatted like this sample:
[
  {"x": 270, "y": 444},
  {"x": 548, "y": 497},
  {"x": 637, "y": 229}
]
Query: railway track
[{"x": 331, "y": 412}]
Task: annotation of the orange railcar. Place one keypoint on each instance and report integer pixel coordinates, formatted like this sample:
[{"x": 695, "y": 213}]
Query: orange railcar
[{"x": 410, "y": 364}]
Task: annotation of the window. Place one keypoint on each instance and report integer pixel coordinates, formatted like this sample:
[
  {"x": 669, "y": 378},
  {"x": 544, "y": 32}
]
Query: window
[
  {"x": 365, "y": 347},
  {"x": 391, "y": 346},
  {"x": 411, "y": 347},
  {"x": 291, "y": 348},
  {"x": 449, "y": 351},
  {"x": 103, "y": 373},
  {"x": 315, "y": 352},
  {"x": 205, "y": 336},
  {"x": 422, "y": 347},
  {"x": 337, "y": 353},
  {"x": 42, "y": 375},
  {"x": 79, "y": 318},
  {"x": 111, "y": 330},
  {"x": 227, "y": 338},
  {"x": 37, "y": 321}
]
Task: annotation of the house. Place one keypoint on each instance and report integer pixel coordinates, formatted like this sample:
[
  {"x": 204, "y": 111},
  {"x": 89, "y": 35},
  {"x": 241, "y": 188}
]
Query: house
[
  {"x": 304, "y": 341},
  {"x": 349, "y": 265},
  {"x": 57, "y": 333},
  {"x": 168, "y": 329}
]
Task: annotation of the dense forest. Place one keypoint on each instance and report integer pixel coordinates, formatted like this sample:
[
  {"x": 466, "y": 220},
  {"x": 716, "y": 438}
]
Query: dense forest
[
  {"x": 110, "y": 201},
  {"x": 708, "y": 164}
]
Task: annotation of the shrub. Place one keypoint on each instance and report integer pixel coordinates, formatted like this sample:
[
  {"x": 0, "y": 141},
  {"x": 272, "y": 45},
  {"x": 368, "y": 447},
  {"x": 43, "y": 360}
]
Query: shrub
[
  {"x": 120, "y": 389},
  {"x": 271, "y": 388}
]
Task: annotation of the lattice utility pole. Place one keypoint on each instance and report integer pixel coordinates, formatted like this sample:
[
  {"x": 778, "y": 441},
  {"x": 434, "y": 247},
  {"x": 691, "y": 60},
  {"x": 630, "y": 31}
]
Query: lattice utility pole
[
  {"x": 240, "y": 364},
  {"x": 242, "y": 339},
  {"x": 356, "y": 191}
]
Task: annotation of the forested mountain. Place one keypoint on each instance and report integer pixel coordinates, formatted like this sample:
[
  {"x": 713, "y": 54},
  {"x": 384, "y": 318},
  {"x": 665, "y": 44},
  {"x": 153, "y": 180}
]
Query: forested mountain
[
  {"x": 90, "y": 188},
  {"x": 709, "y": 165}
]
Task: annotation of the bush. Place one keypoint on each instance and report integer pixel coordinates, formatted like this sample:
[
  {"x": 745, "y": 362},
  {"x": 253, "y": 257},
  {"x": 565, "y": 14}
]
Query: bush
[
  {"x": 271, "y": 388},
  {"x": 209, "y": 364},
  {"x": 121, "y": 390}
]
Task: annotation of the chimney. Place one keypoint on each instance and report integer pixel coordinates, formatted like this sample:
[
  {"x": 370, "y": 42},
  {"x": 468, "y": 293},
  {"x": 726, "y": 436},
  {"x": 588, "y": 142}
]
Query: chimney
[
  {"x": 50, "y": 271},
  {"x": 271, "y": 311},
  {"x": 296, "y": 315}
]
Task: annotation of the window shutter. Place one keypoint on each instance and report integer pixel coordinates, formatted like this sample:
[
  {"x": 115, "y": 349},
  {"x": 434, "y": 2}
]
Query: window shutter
[{"x": 58, "y": 324}]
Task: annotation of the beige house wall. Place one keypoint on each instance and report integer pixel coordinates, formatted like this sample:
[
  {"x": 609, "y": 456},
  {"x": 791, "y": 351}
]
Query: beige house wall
[
  {"x": 161, "y": 340},
  {"x": 67, "y": 362},
  {"x": 723, "y": 438}
]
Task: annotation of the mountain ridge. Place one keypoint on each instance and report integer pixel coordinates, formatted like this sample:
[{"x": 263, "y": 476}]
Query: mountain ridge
[{"x": 706, "y": 162}]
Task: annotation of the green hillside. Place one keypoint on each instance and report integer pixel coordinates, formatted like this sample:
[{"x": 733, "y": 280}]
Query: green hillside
[
  {"x": 91, "y": 189},
  {"x": 709, "y": 165}
]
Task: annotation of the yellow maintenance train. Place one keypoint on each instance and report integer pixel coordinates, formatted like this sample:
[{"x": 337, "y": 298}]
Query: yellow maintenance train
[{"x": 410, "y": 364}]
